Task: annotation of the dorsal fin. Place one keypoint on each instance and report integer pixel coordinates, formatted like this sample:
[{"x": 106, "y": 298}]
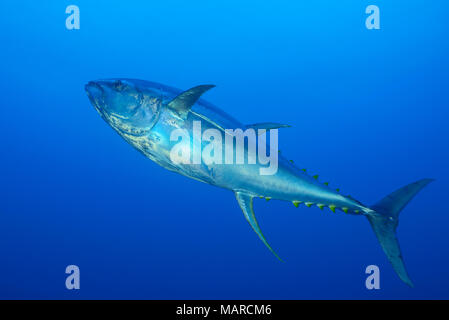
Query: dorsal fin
[{"x": 184, "y": 101}]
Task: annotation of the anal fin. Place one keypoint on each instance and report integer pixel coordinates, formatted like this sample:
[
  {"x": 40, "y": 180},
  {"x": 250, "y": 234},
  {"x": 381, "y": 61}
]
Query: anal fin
[{"x": 246, "y": 204}]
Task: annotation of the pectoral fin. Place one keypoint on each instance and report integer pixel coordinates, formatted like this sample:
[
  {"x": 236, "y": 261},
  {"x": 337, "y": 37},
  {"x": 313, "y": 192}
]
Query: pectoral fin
[
  {"x": 184, "y": 101},
  {"x": 246, "y": 204}
]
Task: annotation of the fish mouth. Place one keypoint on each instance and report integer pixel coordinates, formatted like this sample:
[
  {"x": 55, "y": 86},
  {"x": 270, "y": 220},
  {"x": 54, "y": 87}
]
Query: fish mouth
[
  {"x": 94, "y": 92},
  {"x": 93, "y": 86}
]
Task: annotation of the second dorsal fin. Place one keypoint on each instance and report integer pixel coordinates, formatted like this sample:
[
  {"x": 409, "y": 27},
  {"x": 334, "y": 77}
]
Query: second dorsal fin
[
  {"x": 184, "y": 101},
  {"x": 267, "y": 125}
]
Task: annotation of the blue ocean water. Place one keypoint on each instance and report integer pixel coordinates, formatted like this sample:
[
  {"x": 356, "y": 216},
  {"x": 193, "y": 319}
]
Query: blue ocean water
[{"x": 368, "y": 110}]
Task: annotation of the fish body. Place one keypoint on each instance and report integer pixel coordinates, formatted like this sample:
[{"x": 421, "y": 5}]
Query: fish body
[{"x": 146, "y": 114}]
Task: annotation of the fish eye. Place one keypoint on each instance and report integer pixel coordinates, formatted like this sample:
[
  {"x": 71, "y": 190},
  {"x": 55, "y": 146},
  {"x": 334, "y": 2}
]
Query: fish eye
[{"x": 118, "y": 85}]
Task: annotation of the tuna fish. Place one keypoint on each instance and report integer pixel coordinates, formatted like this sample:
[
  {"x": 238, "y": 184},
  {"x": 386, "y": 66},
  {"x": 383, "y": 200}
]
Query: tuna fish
[{"x": 146, "y": 114}]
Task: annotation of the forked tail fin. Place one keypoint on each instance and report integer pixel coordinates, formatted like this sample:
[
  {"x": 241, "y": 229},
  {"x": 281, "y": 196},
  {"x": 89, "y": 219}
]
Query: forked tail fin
[{"x": 385, "y": 220}]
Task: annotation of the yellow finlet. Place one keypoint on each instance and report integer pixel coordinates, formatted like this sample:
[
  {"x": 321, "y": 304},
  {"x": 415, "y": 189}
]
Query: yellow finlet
[
  {"x": 320, "y": 205},
  {"x": 309, "y": 204},
  {"x": 332, "y": 207},
  {"x": 296, "y": 203},
  {"x": 345, "y": 210}
]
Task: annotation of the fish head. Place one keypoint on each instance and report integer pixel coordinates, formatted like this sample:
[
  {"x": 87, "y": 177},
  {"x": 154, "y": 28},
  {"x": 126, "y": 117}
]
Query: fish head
[{"x": 128, "y": 108}]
